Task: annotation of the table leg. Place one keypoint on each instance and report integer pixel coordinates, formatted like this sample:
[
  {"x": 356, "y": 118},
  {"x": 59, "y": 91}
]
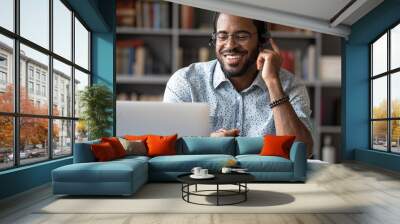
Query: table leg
[
  {"x": 196, "y": 188},
  {"x": 245, "y": 191},
  {"x": 217, "y": 194}
]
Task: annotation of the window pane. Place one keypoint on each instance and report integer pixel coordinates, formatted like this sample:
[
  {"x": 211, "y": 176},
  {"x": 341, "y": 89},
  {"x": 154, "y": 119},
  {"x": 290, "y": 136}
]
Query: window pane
[
  {"x": 81, "y": 45},
  {"x": 379, "y": 135},
  {"x": 395, "y": 136},
  {"x": 7, "y": 14},
  {"x": 81, "y": 132},
  {"x": 33, "y": 139},
  {"x": 395, "y": 94},
  {"x": 6, "y": 74},
  {"x": 6, "y": 142},
  {"x": 81, "y": 81},
  {"x": 379, "y": 98},
  {"x": 62, "y": 137},
  {"x": 62, "y": 89},
  {"x": 62, "y": 29},
  {"x": 395, "y": 47},
  {"x": 379, "y": 55},
  {"x": 34, "y": 78},
  {"x": 35, "y": 21}
]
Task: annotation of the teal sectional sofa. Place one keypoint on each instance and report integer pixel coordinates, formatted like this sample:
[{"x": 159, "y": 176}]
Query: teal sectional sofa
[{"x": 125, "y": 176}]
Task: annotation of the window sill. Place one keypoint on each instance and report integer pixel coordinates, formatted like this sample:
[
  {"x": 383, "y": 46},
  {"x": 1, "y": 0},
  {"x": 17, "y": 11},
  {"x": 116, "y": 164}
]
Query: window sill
[{"x": 26, "y": 167}]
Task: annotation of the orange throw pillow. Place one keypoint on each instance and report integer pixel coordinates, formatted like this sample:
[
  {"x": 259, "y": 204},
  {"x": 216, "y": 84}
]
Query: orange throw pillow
[
  {"x": 136, "y": 137},
  {"x": 103, "y": 151},
  {"x": 277, "y": 146},
  {"x": 116, "y": 145},
  {"x": 161, "y": 145}
]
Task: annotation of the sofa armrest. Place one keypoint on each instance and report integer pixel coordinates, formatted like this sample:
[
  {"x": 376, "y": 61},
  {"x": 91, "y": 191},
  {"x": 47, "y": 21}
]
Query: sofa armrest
[
  {"x": 83, "y": 152},
  {"x": 298, "y": 155}
]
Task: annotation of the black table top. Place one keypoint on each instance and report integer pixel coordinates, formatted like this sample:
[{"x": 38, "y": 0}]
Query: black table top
[{"x": 220, "y": 178}]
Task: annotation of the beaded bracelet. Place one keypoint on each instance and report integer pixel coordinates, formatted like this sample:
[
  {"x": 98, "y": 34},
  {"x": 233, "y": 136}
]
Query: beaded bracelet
[{"x": 279, "y": 101}]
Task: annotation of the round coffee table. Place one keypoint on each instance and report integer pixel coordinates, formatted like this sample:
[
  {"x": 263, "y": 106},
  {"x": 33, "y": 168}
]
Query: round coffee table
[{"x": 238, "y": 179}]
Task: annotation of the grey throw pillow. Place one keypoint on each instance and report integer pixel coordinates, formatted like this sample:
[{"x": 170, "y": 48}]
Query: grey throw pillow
[{"x": 136, "y": 147}]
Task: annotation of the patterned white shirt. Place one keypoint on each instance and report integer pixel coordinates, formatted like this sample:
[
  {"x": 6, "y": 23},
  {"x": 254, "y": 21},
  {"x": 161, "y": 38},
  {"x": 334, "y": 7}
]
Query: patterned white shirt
[{"x": 247, "y": 110}]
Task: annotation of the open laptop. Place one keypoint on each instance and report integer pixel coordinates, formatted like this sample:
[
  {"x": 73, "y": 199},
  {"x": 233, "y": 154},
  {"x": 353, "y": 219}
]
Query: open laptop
[{"x": 139, "y": 118}]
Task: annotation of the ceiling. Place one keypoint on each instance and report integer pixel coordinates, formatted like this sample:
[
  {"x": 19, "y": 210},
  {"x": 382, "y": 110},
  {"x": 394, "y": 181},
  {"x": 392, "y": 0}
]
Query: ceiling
[{"x": 333, "y": 17}]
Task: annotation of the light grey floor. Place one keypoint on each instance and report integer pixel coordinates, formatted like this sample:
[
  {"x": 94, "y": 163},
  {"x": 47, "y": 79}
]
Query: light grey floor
[{"x": 378, "y": 188}]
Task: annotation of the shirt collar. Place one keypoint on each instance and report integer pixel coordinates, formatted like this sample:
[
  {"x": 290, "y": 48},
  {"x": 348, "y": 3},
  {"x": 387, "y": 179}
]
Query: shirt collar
[
  {"x": 219, "y": 77},
  {"x": 259, "y": 81}
]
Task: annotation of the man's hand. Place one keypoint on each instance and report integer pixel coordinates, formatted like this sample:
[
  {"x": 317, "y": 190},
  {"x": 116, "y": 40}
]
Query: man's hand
[
  {"x": 225, "y": 133},
  {"x": 270, "y": 62}
]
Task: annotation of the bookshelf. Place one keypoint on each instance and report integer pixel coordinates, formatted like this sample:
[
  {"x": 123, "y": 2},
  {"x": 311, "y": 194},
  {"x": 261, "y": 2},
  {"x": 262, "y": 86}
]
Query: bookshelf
[{"x": 178, "y": 45}]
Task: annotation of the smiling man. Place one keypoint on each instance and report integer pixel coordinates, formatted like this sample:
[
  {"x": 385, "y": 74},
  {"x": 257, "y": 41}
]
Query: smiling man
[{"x": 248, "y": 92}]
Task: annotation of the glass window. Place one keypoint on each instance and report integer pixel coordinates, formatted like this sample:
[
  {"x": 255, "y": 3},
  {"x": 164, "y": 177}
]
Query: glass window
[
  {"x": 7, "y": 74},
  {"x": 34, "y": 79},
  {"x": 385, "y": 94},
  {"x": 6, "y": 142},
  {"x": 40, "y": 62},
  {"x": 395, "y": 47},
  {"x": 62, "y": 138},
  {"x": 379, "y": 98},
  {"x": 62, "y": 72},
  {"x": 395, "y": 95},
  {"x": 62, "y": 29},
  {"x": 7, "y": 14},
  {"x": 81, "y": 131},
  {"x": 395, "y": 136},
  {"x": 34, "y": 21},
  {"x": 81, "y": 45},
  {"x": 30, "y": 87},
  {"x": 81, "y": 81},
  {"x": 379, "y": 135},
  {"x": 33, "y": 140},
  {"x": 379, "y": 56}
]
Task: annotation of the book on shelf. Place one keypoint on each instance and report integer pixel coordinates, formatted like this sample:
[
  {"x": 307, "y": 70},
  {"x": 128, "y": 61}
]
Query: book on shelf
[
  {"x": 126, "y": 13},
  {"x": 308, "y": 64},
  {"x": 135, "y": 58},
  {"x": 143, "y": 13},
  {"x": 187, "y": 17},
  {"x": 331, "y": 69}
]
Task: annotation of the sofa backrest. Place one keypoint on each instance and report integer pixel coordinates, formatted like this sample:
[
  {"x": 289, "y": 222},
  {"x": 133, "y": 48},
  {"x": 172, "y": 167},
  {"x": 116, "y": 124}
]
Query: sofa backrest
[
  {"x": 83, "y": 152},
  {"x": 249, "y": 145},
  {"x": 206, "y": 145}
]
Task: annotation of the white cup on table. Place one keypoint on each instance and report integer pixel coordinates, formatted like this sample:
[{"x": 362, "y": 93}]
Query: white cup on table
[
  {"x": 196, "y": 171},
  {"x": 203, "y": 172}
]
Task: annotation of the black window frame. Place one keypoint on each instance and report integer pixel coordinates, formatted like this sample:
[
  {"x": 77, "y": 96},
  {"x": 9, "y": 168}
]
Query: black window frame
[
  {"x": 388, "y": 74},
  {"x": 16, "y": 115}
]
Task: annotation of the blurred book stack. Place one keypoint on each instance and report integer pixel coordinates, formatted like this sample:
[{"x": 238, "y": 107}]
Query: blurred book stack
[
  {"x": 143, "y": 14},
  {"x": 135, "y": 58}
]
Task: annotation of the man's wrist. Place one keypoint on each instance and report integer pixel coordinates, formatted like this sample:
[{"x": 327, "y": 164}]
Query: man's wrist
[{"x": 274, "y": 88}]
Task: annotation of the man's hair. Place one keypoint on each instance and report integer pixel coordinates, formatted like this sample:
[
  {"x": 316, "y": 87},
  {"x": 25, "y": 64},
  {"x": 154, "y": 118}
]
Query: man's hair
[{"x": 261, "y": 26}]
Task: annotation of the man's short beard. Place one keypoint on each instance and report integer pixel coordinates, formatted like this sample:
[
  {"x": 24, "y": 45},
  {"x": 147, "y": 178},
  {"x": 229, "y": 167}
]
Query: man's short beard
[{"x": 251, "y": 61}]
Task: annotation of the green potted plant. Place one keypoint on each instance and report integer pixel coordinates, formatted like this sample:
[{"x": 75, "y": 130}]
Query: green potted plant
[{"x": 96, "y": 103}]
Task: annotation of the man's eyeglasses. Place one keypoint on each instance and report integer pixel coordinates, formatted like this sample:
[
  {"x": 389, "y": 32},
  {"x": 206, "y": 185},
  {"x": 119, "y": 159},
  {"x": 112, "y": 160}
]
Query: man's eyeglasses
[{"x": 240, "y": 37}]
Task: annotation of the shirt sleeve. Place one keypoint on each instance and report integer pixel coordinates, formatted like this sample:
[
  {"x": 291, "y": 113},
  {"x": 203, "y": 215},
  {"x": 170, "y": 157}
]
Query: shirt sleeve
[
  {"x": 301, "y": 102},
  {"x": 177, "y": 89}
]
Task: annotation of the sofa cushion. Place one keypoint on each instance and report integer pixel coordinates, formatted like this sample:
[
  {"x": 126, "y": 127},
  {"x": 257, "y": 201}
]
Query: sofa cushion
[
  {"x": 257, "y": 163},
  {"x": 116, "y": 145},
  {"x": 277, "y": 145},
  {"x": 103, "y": 152},
  {"x": 111, "y": 171},
  {"x": 159, "y": 145},
  {"x": 249, "y": 145},
  {"x": 185, "y": 163},
  {"x": 207, "y": 145}
]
